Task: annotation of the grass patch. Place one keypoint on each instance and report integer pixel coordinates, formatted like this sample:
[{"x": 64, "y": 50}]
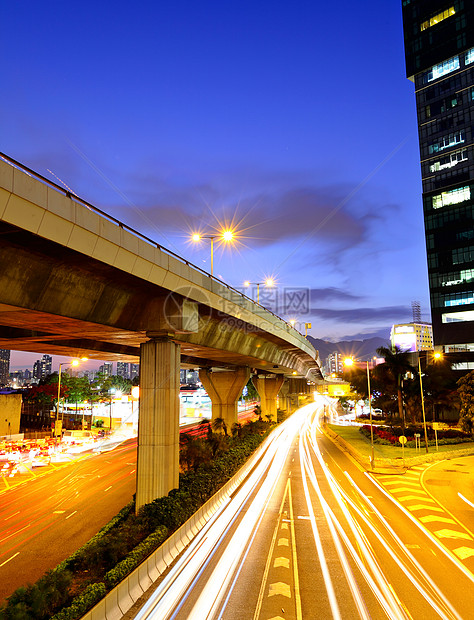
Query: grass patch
[{"x": 354, "y": 437}]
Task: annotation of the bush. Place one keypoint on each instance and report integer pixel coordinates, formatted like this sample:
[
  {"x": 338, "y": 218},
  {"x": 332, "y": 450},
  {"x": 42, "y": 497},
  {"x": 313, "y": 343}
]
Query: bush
[
  {"x": 104, "y": 557},
  {"x": 133, "y": 559},
  {"x": 82, "y": 603},
  {"x": 39, "y": 600}
]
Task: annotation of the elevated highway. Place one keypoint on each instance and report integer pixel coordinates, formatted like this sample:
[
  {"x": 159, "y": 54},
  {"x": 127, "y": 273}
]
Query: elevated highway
[{"x": 76, "y": 281}]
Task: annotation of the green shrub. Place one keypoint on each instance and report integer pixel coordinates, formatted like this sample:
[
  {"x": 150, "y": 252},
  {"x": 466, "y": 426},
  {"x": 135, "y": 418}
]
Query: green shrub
[
  {"x": 82, "y": 603},
  {"x": 135, "y": 557},
  {"x": 40, "y": 600}
]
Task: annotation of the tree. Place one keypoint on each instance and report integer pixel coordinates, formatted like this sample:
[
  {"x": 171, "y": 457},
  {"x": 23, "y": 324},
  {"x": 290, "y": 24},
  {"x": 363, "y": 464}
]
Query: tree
[
  {"x": 466, "y": 395},
  {"x": 397, "y": 365}
]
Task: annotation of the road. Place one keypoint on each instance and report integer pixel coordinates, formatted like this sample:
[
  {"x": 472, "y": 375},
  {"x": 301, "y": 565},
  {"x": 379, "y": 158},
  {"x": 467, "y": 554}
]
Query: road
[
  {"x": 47, "y": 518},
  {"x": 312, "y": 535}
]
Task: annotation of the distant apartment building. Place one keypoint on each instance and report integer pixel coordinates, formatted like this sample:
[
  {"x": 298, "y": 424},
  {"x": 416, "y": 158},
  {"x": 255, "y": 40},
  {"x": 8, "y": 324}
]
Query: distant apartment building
[
  {"x": 4, "y": 366},
  {"x": 412, "y": 337},
  {"x": 46, "y": 365},
  {"x": 335, "y": 363},
  {"x": 106, "y": 369},
  {"x": 123, "y": 370},
  {"x": 134, "y": 370}
]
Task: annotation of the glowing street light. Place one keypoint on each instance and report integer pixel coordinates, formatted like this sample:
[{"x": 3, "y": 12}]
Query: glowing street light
[
  {"x": 72, "y": 363},
  {"x": 349, "y": 361},
  {"x": 226, "y": 235},
  {"x": 269, "y": 283},
  {"x": 437, "y": 355}
]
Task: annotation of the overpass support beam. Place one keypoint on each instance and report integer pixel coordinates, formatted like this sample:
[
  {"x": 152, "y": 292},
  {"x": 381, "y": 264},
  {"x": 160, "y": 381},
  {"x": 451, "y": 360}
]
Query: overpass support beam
[
  {"x": 158, "y": 428},
  {"x": 268, "y": 388},
  {"x": 224, "y": 389}
]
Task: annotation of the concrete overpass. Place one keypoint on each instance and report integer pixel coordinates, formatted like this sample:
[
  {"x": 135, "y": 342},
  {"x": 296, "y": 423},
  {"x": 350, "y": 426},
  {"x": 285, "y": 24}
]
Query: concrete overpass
[{"x": 76, "y": 281}]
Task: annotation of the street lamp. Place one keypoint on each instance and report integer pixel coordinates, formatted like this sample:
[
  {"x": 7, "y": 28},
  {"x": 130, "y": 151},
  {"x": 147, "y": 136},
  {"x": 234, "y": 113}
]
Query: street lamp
[
  {"x": 73, "y": 363},
  {"x": 269, "y": 283},
  {"x": 349, "y": 361},
  {"x": 226, "y": 235},
  {"x": 437, "y": 355},
  {"x": 306, "y": 327}
]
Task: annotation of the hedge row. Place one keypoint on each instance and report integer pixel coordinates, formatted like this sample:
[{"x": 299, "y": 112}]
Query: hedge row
[{"x": 113, "y": 552}]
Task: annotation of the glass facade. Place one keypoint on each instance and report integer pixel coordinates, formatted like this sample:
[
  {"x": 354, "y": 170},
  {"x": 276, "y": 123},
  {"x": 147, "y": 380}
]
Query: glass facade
[{"x": 439, "y": 50}]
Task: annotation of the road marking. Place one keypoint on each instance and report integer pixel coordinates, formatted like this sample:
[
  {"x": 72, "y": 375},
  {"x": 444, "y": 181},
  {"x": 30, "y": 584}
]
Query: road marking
[
  {"x": 279, "y": 588},
  {"x": 464, "y": 552},
  {"x": 107, "y": 488},
  {"x": 132, "y": 472},
  {"x": 408, "y": 490},
  {"x": 431, "y": 518},
  {"x": 452, "y": 534},
  {"x": 466, "y": 500},
  {"x": 406, "y": 498},
  {"x": 285, "y": 562},
  {"x": 304, "y": 517},
  {"x": 15, "y": 513},
  {"x": 284, "y": 526},
  {"x": 6, "y": 561},
  {"x": 283, "y": 542},
  {"x": 424, "y": 507},
  {"x": 58, "y": 512},
  {"x": 72, "y": 513}
]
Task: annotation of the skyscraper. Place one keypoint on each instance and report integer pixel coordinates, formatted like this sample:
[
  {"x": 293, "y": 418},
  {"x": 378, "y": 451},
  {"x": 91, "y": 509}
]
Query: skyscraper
[
  {"x": 123, "y": 370},
  {"x": 439, "y": 52},
  {"x": 46, "y": 364},
  {"x": 4, "y": 366}
]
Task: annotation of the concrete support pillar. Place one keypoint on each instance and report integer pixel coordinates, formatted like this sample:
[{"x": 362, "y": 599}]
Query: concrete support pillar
[
  {"x": 283, "y": 397},
  {"x": 268, "y": 388},
  {"x": 224, "y": 389},
  {"x": 158, "y": 428}
]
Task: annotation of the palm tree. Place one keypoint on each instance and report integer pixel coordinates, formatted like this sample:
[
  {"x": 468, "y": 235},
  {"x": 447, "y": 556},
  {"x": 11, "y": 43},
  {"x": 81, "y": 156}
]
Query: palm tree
[{"x": 397, "y": 364}]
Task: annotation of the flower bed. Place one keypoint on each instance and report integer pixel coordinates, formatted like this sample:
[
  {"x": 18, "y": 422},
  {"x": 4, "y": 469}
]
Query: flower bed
[{"x": 387, "y": 435}]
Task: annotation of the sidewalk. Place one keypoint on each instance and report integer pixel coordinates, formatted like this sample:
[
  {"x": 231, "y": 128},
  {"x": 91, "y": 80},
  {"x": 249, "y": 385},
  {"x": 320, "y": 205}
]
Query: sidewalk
[{"x": 390, "y": 459}]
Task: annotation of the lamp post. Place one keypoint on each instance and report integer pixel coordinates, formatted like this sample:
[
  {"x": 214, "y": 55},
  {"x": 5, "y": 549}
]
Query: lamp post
[
  {"x": 73, "y": 363},
  {"x": 350, "y": 362},
  {"x": 306, "y": 327},
  {"x": 226, "y": 235},
  {"x": 437, "y": 355},
  {"x": 269, "y": 283}
]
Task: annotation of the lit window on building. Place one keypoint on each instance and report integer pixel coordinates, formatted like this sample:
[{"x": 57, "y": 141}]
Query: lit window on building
[
  {"x": 459, "y": 299},
  {"x": 447, "y": 141},
  {"x": 437, "y": 18},
  {"x": 461, "y": 277},
  {"x": 469, "y": 58},
  {"x": 451, "y": 197},
  {"x": 457, "y": 317},
  {"x": 448, "y": 161},
  {"x": 445, "y": 67}
]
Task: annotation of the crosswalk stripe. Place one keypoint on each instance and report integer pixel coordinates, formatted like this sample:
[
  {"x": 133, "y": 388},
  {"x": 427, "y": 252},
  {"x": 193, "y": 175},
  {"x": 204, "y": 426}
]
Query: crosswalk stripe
[
  {"x": 432, "y": 518},
  {"x": 452, "y": 534}
]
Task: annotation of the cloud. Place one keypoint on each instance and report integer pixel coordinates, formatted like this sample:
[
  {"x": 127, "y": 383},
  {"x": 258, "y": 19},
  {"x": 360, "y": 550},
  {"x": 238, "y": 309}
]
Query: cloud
[{"x": 389, "y": 314}]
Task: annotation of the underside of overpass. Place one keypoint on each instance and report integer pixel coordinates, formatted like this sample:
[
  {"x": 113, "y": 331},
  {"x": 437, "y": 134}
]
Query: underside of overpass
[
  {"x": 76, "y": 282},
  {"x": 56, "y": 300}
]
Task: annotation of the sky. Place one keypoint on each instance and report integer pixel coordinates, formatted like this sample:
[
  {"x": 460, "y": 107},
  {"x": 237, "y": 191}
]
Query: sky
[{"x": 293, "y": 123}]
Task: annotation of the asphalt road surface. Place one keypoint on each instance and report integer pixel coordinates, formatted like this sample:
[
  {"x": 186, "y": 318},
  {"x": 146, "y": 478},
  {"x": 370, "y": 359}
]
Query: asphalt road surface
[
  {"x": 45, "y": 519},
  {"x": 311, "y": 535}
]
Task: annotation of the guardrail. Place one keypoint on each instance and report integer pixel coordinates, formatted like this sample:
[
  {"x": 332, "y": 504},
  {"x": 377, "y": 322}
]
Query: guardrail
[
  {"x": 12, "y": 162},
  {"x": 119, "y": 600}
]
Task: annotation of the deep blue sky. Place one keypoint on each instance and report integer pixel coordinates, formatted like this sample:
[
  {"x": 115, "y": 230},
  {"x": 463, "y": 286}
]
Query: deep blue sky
[{"x": 294, "y": 120}]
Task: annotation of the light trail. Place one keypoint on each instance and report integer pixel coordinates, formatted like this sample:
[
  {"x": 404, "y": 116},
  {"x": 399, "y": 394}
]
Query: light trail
[
  {"x": 175, "y": 588},
  {"x": 343, "y": 518}
]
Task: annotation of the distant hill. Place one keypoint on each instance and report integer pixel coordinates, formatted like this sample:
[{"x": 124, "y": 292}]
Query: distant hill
[{"x": 364, "y": 349}]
